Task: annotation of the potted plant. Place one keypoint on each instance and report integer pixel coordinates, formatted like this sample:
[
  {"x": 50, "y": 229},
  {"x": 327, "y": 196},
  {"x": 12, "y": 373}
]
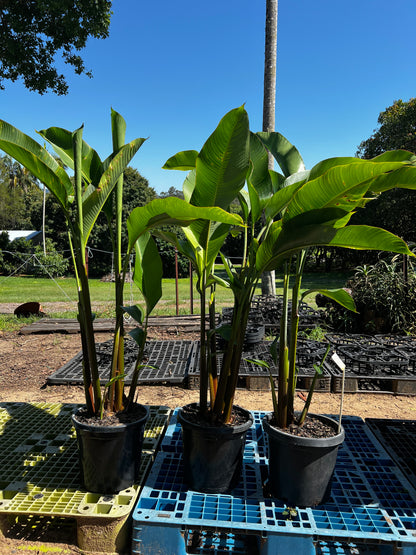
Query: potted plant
[
  {"x": 110, "y": 427},
  {"x": 284, "y": 214},
  {"x": 315, "y": 208}
]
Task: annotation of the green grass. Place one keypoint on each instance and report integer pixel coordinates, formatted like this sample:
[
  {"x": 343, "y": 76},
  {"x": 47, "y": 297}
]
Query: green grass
[{"x": 24, "y": 289}]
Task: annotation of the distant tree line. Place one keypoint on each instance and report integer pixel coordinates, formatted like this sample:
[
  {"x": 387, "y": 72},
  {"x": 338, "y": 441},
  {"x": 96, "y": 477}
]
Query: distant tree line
[
  {"x": 21, "y": 205},
  {"x": 21, "y": 200}
]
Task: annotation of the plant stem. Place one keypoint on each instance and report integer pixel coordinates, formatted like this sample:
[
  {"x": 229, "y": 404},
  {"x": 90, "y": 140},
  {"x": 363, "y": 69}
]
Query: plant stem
[
  {"x": 294, "y": 326},
  {"x": 212, "y": 349},
  {"x": 203, "y": 372},
  {"x": 93, "y": 390},
  {"x": 282, "y": 390}
]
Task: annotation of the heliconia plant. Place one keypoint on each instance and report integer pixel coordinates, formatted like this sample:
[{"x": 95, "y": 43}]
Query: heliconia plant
[
  {"x": 284, "y": 213},
  {"x": 97, "y": 186}
]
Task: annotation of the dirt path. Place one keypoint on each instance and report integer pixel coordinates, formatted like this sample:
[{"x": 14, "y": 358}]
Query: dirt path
[{"x": 27, "y": 360}]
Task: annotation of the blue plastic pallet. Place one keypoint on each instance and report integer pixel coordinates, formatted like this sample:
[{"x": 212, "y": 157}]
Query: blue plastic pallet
[{"x": 371, "y": 502}]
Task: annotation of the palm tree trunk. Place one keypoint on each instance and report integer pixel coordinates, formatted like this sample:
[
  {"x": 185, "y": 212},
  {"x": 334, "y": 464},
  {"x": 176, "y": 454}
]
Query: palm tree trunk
[{"x": 268, "y": 282}]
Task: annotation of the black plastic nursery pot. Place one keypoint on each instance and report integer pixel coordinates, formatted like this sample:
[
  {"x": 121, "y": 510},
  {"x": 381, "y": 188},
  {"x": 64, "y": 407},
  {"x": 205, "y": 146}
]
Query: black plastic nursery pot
[
  {"x": 110, "y": 455},
  {"x": 301, "y": 468},
  {"x": 213, "y": 455}
]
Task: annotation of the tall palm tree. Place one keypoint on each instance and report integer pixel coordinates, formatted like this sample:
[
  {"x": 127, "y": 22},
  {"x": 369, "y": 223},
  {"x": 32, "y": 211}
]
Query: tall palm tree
[{"x": 268, "y": 281}]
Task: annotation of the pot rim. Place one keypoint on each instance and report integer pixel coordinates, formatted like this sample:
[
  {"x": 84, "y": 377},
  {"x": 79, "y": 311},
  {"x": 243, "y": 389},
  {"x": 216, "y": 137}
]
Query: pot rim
[
  {"x": 224, "y": 429},
  {"x": 109, "y": 429},
  {"x": 300, "y": 441}
]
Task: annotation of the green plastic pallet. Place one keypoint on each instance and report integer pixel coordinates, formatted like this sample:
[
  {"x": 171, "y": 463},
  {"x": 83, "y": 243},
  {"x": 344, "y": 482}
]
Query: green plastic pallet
[{"x": 39, "y": 467}]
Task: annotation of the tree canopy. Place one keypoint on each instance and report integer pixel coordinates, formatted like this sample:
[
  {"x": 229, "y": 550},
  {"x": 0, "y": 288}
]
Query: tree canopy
[
  {"x": 20, "y": 196},
  {"x": 397, "y": 130},
  {"x": 394, "y": 210},
  {"x": 32, "y": 34}
]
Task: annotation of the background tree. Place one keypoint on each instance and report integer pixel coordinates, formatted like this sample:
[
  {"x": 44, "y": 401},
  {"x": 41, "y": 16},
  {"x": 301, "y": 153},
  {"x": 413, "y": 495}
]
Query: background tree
[
  {"x": 136, "y": 192},
  {"x": 32, "y": 33},
  {"x": 19, "y": 196},
  {"x": 172, "y": 192},
  {"x": 397, "y": 129},
  {"x": 395, "y": 210}
]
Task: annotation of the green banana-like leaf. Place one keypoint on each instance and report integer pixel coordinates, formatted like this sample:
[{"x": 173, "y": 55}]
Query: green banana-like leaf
[
  {"x": 138, "y": 335},
  {"x": 174, "y": 211},
  {"x": 244, "y": 200},
  {"x": 277, "y": 179},
  {"x": 325, "y": 165},
  {"x": 286, "y": 155},
  {"x": 281, "y": 199},
  {"x": 400, "y": 157},
  {"x": 135, "y": 312},
  {"x": 148, "y": 271},
  {"x": 280, "y": 243},
  {"x": 259, "y": 181},
  {"x": 396, "y": 155},
  {"x": 38, "y": 161},
  {"x": 189, "y": 185},
  {"x": 403, "y": 178},
  {"x": 94, "y": 202},
  {"x": 341, "y": 185},
  {"x": 209, "y": 237},
  {"x": 118, "y": 128},
  {"x": 333, "y": 216},
  {"x": 341, "y": 296},
  {"x": 61, "y": 141},
  {"x": 185, "y": 160},
  {"x": 222, "y": 163}
]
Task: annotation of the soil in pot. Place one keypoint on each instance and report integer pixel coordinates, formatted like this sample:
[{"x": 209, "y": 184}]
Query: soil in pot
[
  {"x": 302, "y": 460},
  {"x": 213, "y": 454},
  {"x": 110, "y": 449}
]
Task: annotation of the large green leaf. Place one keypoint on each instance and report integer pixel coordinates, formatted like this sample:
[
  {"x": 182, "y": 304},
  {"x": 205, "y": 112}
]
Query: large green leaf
[
  {"x": 38, "y": 161},
  {"x": 61, "y": 141},
  {"x": 174, "y": 211},
  {"x": 341, "y": 296},
  {"x": 280, "y": 243},
  {"x": 396, "y": 156},
  {"x": 341, "y": 185},
  {"x": 286, "y": 155},
  {"x": 189, "y": 185},
  {"x": 222, "y": 163},
  {"x": 185, "y": 160},
  {"x": 93, "y": 203},
  {"x": 259, "y": 181},
  {"x": 404, "y": 178},
  {"x": 281, "y": 199},
  {"x": 148, "y": 270}
]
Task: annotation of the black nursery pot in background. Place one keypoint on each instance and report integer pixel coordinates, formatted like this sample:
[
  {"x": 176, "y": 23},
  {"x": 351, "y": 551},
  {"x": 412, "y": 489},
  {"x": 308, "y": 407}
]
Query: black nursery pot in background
[
  {"x": 301, "y": 468},
  {"x": 213, "y": 455},
  {"x": 110, "y": 455}
]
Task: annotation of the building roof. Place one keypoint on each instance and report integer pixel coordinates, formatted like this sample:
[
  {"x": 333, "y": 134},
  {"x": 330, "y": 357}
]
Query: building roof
[{"x": 21, "y": 233}]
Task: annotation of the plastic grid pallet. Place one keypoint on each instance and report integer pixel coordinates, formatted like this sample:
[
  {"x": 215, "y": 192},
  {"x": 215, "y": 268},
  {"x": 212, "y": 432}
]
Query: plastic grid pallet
[
  {"x": 350, "y": 548},
  {"x": 371, "y": 501},
  {"x": 374, "y": 369},
  {"x": 247, "y": 369},
  {"x": 398, "y": 437},
  {"x": 309, "y": 352},
  {"x": 364, "y": 340},
  {"x": 39, "y": 465},
  {"x": 171, "y": 360},
  {"x": 374, "y": 360}
]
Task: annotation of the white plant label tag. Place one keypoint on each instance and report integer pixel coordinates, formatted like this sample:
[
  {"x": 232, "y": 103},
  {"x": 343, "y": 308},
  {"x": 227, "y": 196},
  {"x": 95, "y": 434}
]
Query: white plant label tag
[{"x": 340, "y": 363}]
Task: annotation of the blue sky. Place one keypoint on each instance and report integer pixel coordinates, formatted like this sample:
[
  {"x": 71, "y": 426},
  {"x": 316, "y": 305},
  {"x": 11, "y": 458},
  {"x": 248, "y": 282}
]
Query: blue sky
[{"x": 173, "y": 69}]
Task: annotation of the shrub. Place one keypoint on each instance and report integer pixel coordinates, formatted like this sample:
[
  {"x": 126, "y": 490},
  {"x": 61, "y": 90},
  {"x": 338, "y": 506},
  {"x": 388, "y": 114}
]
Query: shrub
[
  {"x": 51, "y": 264},
  {"x": 384, "y": 297}
]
